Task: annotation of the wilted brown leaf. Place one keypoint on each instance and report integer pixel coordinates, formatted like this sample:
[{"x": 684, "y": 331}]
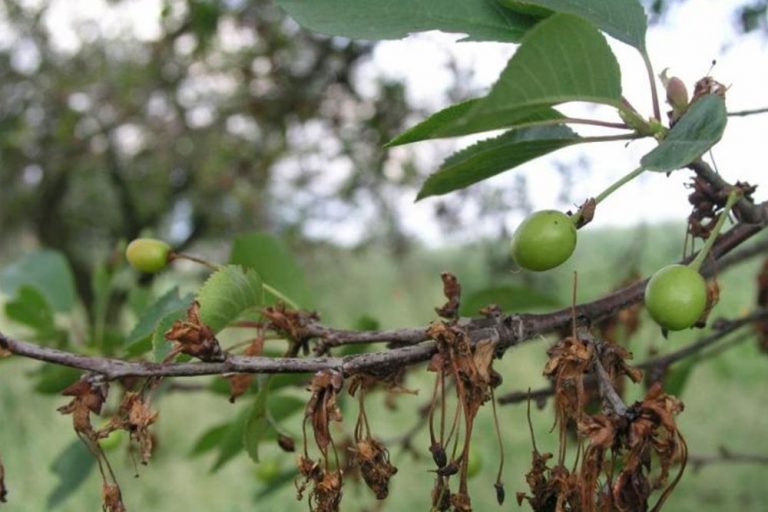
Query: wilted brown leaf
[
  {"x": 113, "y": 500},
  {"x": 452, "y": 292},
  {"x": 191, "y": 336},
  {"x": 87, "y": 397}
]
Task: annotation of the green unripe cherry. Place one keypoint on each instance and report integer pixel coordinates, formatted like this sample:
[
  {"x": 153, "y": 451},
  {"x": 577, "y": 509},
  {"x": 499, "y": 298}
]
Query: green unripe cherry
[
  {"x": 112, "y": 441},
  {"x": 676, "y": 296},
  {"x": 544, "y": 240},
  {"x": 148, "y": 254},
  {"x": 267, "y": 470}
]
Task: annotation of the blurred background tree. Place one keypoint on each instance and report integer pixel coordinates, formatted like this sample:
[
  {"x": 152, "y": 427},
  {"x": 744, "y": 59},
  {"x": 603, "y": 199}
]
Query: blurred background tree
[{"x": 225, "y": 120}]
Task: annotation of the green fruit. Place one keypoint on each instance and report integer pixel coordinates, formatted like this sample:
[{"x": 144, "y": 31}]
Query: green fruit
[
  {"x": 544, "y": 240},
  {"x": 112, "y": 441},
  {"x": 676, "y": 296},
  {"x": 267, "y": 470},
  {"x": 148, "y": 254},
  {"x": 475, "y": 464}
]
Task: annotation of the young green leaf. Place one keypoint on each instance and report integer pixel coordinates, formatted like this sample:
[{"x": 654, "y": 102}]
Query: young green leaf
[
  {"x": 161, "y": 347},
  {"x": 564, "y": 58},
  {"x": 139, "y": 339},
  {"x": 623, "y": 19},
  {"x": 257, "y": 423},
  {"x": 490, "y": 157},
  {"x": 47, "y": 271},
  {"x": 273, "y": 261},
  {"x": 72, "y": 466},
  {"x": 30, "y": 308},
  {"x": 698, "y": 130},
  {"x": 480, "y": 20},
  {"x": 448, "y": 122},
  {"x": 227, "y": 293}
]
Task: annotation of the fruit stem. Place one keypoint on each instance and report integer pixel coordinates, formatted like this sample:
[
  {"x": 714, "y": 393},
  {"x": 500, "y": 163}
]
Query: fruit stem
[
  {"x": 279, "y": 295},
  {"x": 179, "y": 256},
  {"x": 733, "y": 197},
  {"x": 610, "y": 190},
  {"x": 267, "y": 288},
  {"x": 652, "y": 80}
]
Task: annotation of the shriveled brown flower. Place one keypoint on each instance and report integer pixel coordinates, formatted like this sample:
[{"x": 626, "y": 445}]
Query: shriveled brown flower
[
  {"x": 113, "y": 500},
  {"x": 88, "y": 396},
  {"x": 372, "y": 457},
  {"x": 191, "y": 336}
]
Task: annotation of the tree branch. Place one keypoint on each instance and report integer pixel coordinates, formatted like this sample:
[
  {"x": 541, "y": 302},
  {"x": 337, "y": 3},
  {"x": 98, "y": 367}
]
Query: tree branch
[{"x": 505, "y": 330}]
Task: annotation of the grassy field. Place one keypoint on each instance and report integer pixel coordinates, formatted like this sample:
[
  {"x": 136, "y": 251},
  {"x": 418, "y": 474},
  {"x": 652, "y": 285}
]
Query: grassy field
[{"x": 725, "y": 397}]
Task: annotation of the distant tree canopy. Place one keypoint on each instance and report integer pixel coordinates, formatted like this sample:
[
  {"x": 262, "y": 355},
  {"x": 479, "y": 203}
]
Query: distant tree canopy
[{"x": 223, "y": 122}]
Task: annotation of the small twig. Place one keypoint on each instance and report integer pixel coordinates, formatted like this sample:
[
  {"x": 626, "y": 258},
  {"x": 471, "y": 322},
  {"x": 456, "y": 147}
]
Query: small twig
[
  {"x": 742, "y": 113},
  {"x": 725, "y": 456}
]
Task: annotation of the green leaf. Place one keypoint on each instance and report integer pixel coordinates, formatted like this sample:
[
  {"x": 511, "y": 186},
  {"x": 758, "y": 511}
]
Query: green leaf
[
  {"x": 141, "y": 334},
  {"x": 677, "y": 377},
  {"x": 257, "y": 423},
  {"x": 564, "y": 58},
  {"x": 161, "y": 347},
  {"x": 210, "y": 439},
  {"x": 48, "y": 272},
  {"x": 227, "y": 293},
  {"x": 285, "y": 477},
  {"x": 272, "y": 259},
  {"x": 490, "y": 157},
  {"x": 623, "y": 19},
  {"x": 72, "y": 466},
  {"x": 52, "y": 379},
  {"x": 30, "y": 308},
  {"x": 448, "y": 122},
  {"x": 510, "y": 299},
  {"x": 699, "y": 129},
  {"x": 282, "y": 407},
  {"x": 231, "y": 441},
  {"x": 480, "y": 20}
]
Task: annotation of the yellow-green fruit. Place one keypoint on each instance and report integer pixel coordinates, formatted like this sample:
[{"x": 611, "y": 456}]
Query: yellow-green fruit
[
  {"x": 148, "y": 254},
  {"x": 544, "y": 240},
  {"x": 267, "y": 470},
  {"x": 475, "y": 464},
  {"x": 112, "y": 441},
  {"x": 676, "y": 297}
]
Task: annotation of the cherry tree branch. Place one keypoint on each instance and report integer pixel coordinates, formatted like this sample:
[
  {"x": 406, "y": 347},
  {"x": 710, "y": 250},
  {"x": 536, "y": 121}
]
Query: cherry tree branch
[
  {"x": 505, "y": 330},
  {"x": 725, "y": 455}
]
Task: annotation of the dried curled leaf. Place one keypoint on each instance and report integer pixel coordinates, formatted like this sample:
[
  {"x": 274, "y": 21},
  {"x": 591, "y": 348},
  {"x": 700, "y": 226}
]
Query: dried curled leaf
[
  {"x": 113, "y": 500},
  {"x": 88, "y": 396},
  {"x": 289, "y": 321},
  {"x": 135, "y": 417},
  {"x": 372, "y": 457},
  {"x": 452, "y": 292},
  {"x": 321, "y": 408},
  {"x": 191, "y": 336},
  {"x": 325, "y": 495}
]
